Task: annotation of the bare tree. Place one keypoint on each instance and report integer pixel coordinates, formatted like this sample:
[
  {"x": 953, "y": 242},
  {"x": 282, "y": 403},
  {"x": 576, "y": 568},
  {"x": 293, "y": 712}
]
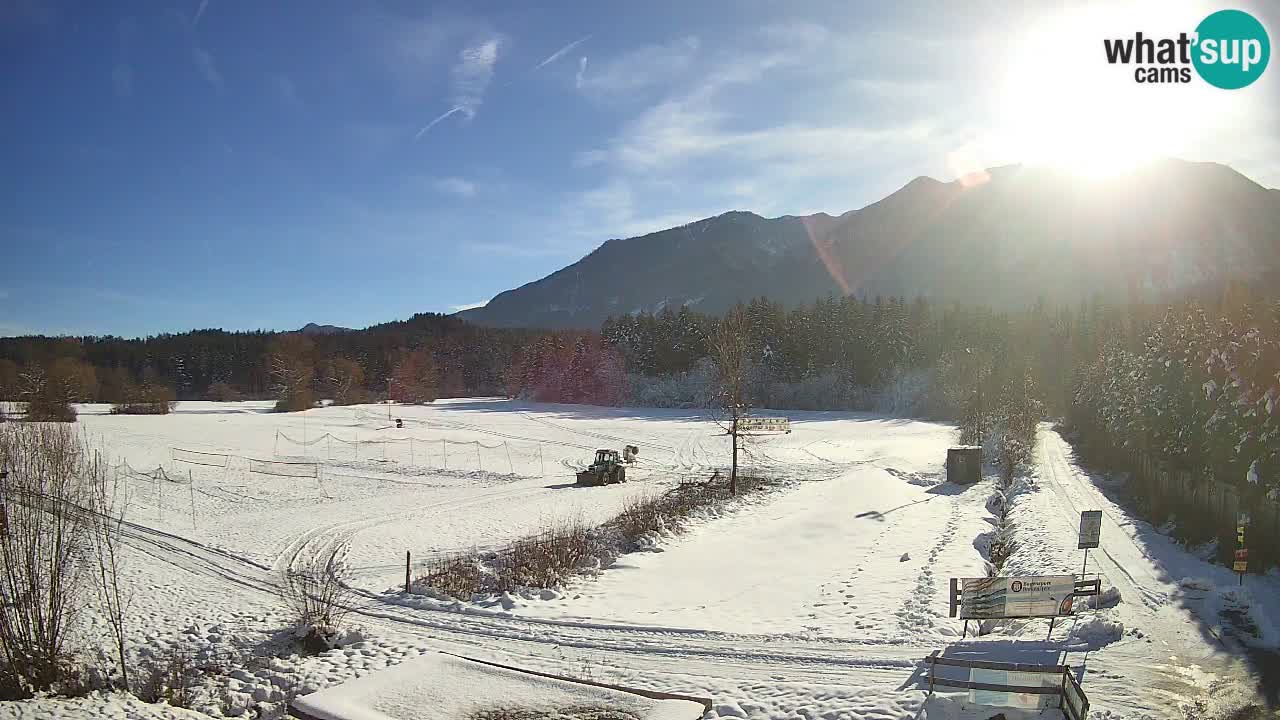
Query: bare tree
[
  {"x": 292, "y": 371},
  {"x": 108, "y": 513},
  {"x": 345, "y": 380},
  {"x": 728, "y": 345}
]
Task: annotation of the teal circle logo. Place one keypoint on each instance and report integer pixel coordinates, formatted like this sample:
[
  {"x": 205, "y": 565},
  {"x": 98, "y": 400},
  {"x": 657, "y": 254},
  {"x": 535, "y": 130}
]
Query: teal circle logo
[{"x": 1232, "y": 49}]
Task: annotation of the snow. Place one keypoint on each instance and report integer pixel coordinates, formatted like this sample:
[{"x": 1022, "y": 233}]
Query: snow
[
  {"x": 443, "y": 687},
  {"x": 816, "y": 600}
]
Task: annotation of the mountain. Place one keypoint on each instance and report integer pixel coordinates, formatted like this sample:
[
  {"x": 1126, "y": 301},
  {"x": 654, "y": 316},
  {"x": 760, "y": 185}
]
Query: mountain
[
  {"x": 1004, "y": 237},
  {"x": 314, "y": 329}
]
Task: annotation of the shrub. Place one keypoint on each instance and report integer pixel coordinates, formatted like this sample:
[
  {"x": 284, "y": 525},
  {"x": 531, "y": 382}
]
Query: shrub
[
  {"x": 224, "y": 392},
  {"x": 44, "y": 536},
  {"x": 145, "y": 399},
  {"x": 316, "y": 593}
]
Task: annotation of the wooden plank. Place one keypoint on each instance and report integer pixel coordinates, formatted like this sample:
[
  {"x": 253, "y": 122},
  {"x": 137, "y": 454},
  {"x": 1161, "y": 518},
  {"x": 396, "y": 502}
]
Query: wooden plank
[
  {"x": 955, "y": 596},
  {"x": 991, "y": 665},
  {"x": 651, "y": 694},
  {"x": 994, "y": 687}
]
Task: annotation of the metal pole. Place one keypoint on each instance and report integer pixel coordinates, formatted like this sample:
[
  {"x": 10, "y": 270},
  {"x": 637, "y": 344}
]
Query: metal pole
[
  {"x": 511, "y": 466},
  {"x": 478, "y": 463},
  {"x": 1086, "y": 563},
  {"x": 541, "y": 464},
  {"x": 444, "y": 448},
  {"x": 1052, "y": 620},
  {"x": 406, "y": 572},
  {"x": 412, "y": 461}
]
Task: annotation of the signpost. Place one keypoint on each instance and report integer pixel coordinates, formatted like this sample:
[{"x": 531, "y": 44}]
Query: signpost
[
  {"x": 1241, "y": 565},
  {"x": 764, "y": 424},
  {"x": 1090, "y": 534}
]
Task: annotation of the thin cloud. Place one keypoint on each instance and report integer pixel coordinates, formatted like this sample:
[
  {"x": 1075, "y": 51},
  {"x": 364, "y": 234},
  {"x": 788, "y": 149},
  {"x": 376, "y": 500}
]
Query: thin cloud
[
  {"x": 562, "y": 52},
  {"x": 455, "y": 186},
  {"x": 468, "y": 306},
  {"x": 208, "y": 68},
  {"x": 204, "y": 5},
  {"x": 441, "y": 116},
  {"x": 469, "y": 78},
  {"x": 644, "y": 67},
  {"x": 471, "y": 75},
  {"x": 286, "y": 90},
  {"x": 582, "y": 70}
]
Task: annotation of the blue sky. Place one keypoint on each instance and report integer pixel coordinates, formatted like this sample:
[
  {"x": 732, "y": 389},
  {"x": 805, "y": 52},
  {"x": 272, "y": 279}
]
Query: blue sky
[{"x": 172, "y": 164}]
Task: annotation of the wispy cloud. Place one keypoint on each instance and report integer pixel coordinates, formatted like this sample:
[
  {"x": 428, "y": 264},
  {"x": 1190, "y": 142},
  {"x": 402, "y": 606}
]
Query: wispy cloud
[
  {"x": 645, "y": 67},
  {"x": 286, "y": 90},
  {"x": 204, "y": 5},
  {"x": 582, "y": 71},
  {"x": 562, "y": 52},
  {"x": 208, "y": 68},
  {"x": 469, "y": 78},
  {"x": 455, "y": 186},
  {"x": 471, "y": 75},
  {"x": 467, "y": 306}
]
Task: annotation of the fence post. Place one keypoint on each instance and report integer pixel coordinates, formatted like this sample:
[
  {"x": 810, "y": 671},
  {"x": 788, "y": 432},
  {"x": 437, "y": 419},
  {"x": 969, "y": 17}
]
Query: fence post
[{"x": 191, "y": 487}]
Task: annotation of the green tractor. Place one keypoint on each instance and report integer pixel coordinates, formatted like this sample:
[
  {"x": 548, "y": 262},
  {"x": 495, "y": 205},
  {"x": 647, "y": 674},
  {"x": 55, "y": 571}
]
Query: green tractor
[{"x": 606, "y": 470}]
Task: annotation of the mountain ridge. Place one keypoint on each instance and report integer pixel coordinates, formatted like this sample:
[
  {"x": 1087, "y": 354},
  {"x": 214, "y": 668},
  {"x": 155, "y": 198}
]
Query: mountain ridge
[{"x": 1003, "y": 237}]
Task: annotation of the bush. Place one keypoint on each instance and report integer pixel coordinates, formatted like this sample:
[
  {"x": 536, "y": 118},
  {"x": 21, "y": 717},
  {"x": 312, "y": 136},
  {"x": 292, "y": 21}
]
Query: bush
[
  {"x": 45, "y": 537},
  {"x": 223, "y": 392},
  {"x": 317, "y": 595},
  {"x": 299, "y": 399},
  {"x": 146, "y": 399},
  {"x": 570, "y": 548}
]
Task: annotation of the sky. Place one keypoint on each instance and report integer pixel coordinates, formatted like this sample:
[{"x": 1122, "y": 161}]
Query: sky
[{"x": 178, "y": 164}]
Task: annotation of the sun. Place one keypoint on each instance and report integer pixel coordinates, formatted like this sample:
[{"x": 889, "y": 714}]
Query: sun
[{"x": 1057, "y": 102}]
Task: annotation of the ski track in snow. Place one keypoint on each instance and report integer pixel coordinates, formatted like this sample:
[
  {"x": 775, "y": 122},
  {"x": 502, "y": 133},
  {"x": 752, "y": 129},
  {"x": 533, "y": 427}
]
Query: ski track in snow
[{"x": 796, "y": 603}]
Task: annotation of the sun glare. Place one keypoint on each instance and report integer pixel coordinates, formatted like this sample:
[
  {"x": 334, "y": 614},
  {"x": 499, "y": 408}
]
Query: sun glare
[{"x": 1059, "y": 103}]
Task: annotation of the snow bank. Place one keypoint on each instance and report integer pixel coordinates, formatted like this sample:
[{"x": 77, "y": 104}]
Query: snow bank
[
  {"x": 1094, "y": 633},
  {"x": 445, "y": 687}
]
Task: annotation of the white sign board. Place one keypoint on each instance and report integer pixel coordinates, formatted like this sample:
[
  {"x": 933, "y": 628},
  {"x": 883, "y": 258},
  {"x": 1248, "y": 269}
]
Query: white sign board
[
  {"x": 1028, "y": 701},
  {"x": 1016, "y": 597},
  {"x": 764, "y": 424},
  {"x": 1090, "y": 528}
]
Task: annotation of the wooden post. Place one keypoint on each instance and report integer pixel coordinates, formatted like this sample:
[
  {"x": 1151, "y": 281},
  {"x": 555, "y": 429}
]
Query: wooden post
[
  {"x": 191, "y": 487},
  {"x": 733, "y": 475},
  {"x": 406, "y": 572}
]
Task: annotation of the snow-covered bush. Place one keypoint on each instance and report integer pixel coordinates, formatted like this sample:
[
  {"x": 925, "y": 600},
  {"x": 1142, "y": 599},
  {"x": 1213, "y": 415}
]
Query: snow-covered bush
[{"x": 693, "y": 389}]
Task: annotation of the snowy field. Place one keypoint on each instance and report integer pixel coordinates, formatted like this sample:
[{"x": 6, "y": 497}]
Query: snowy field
[{"x": 817, "y": 600}]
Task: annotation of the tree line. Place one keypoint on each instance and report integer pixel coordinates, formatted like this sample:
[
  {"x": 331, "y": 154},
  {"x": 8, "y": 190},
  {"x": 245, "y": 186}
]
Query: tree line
[{"x": 1196, "y": 382}]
